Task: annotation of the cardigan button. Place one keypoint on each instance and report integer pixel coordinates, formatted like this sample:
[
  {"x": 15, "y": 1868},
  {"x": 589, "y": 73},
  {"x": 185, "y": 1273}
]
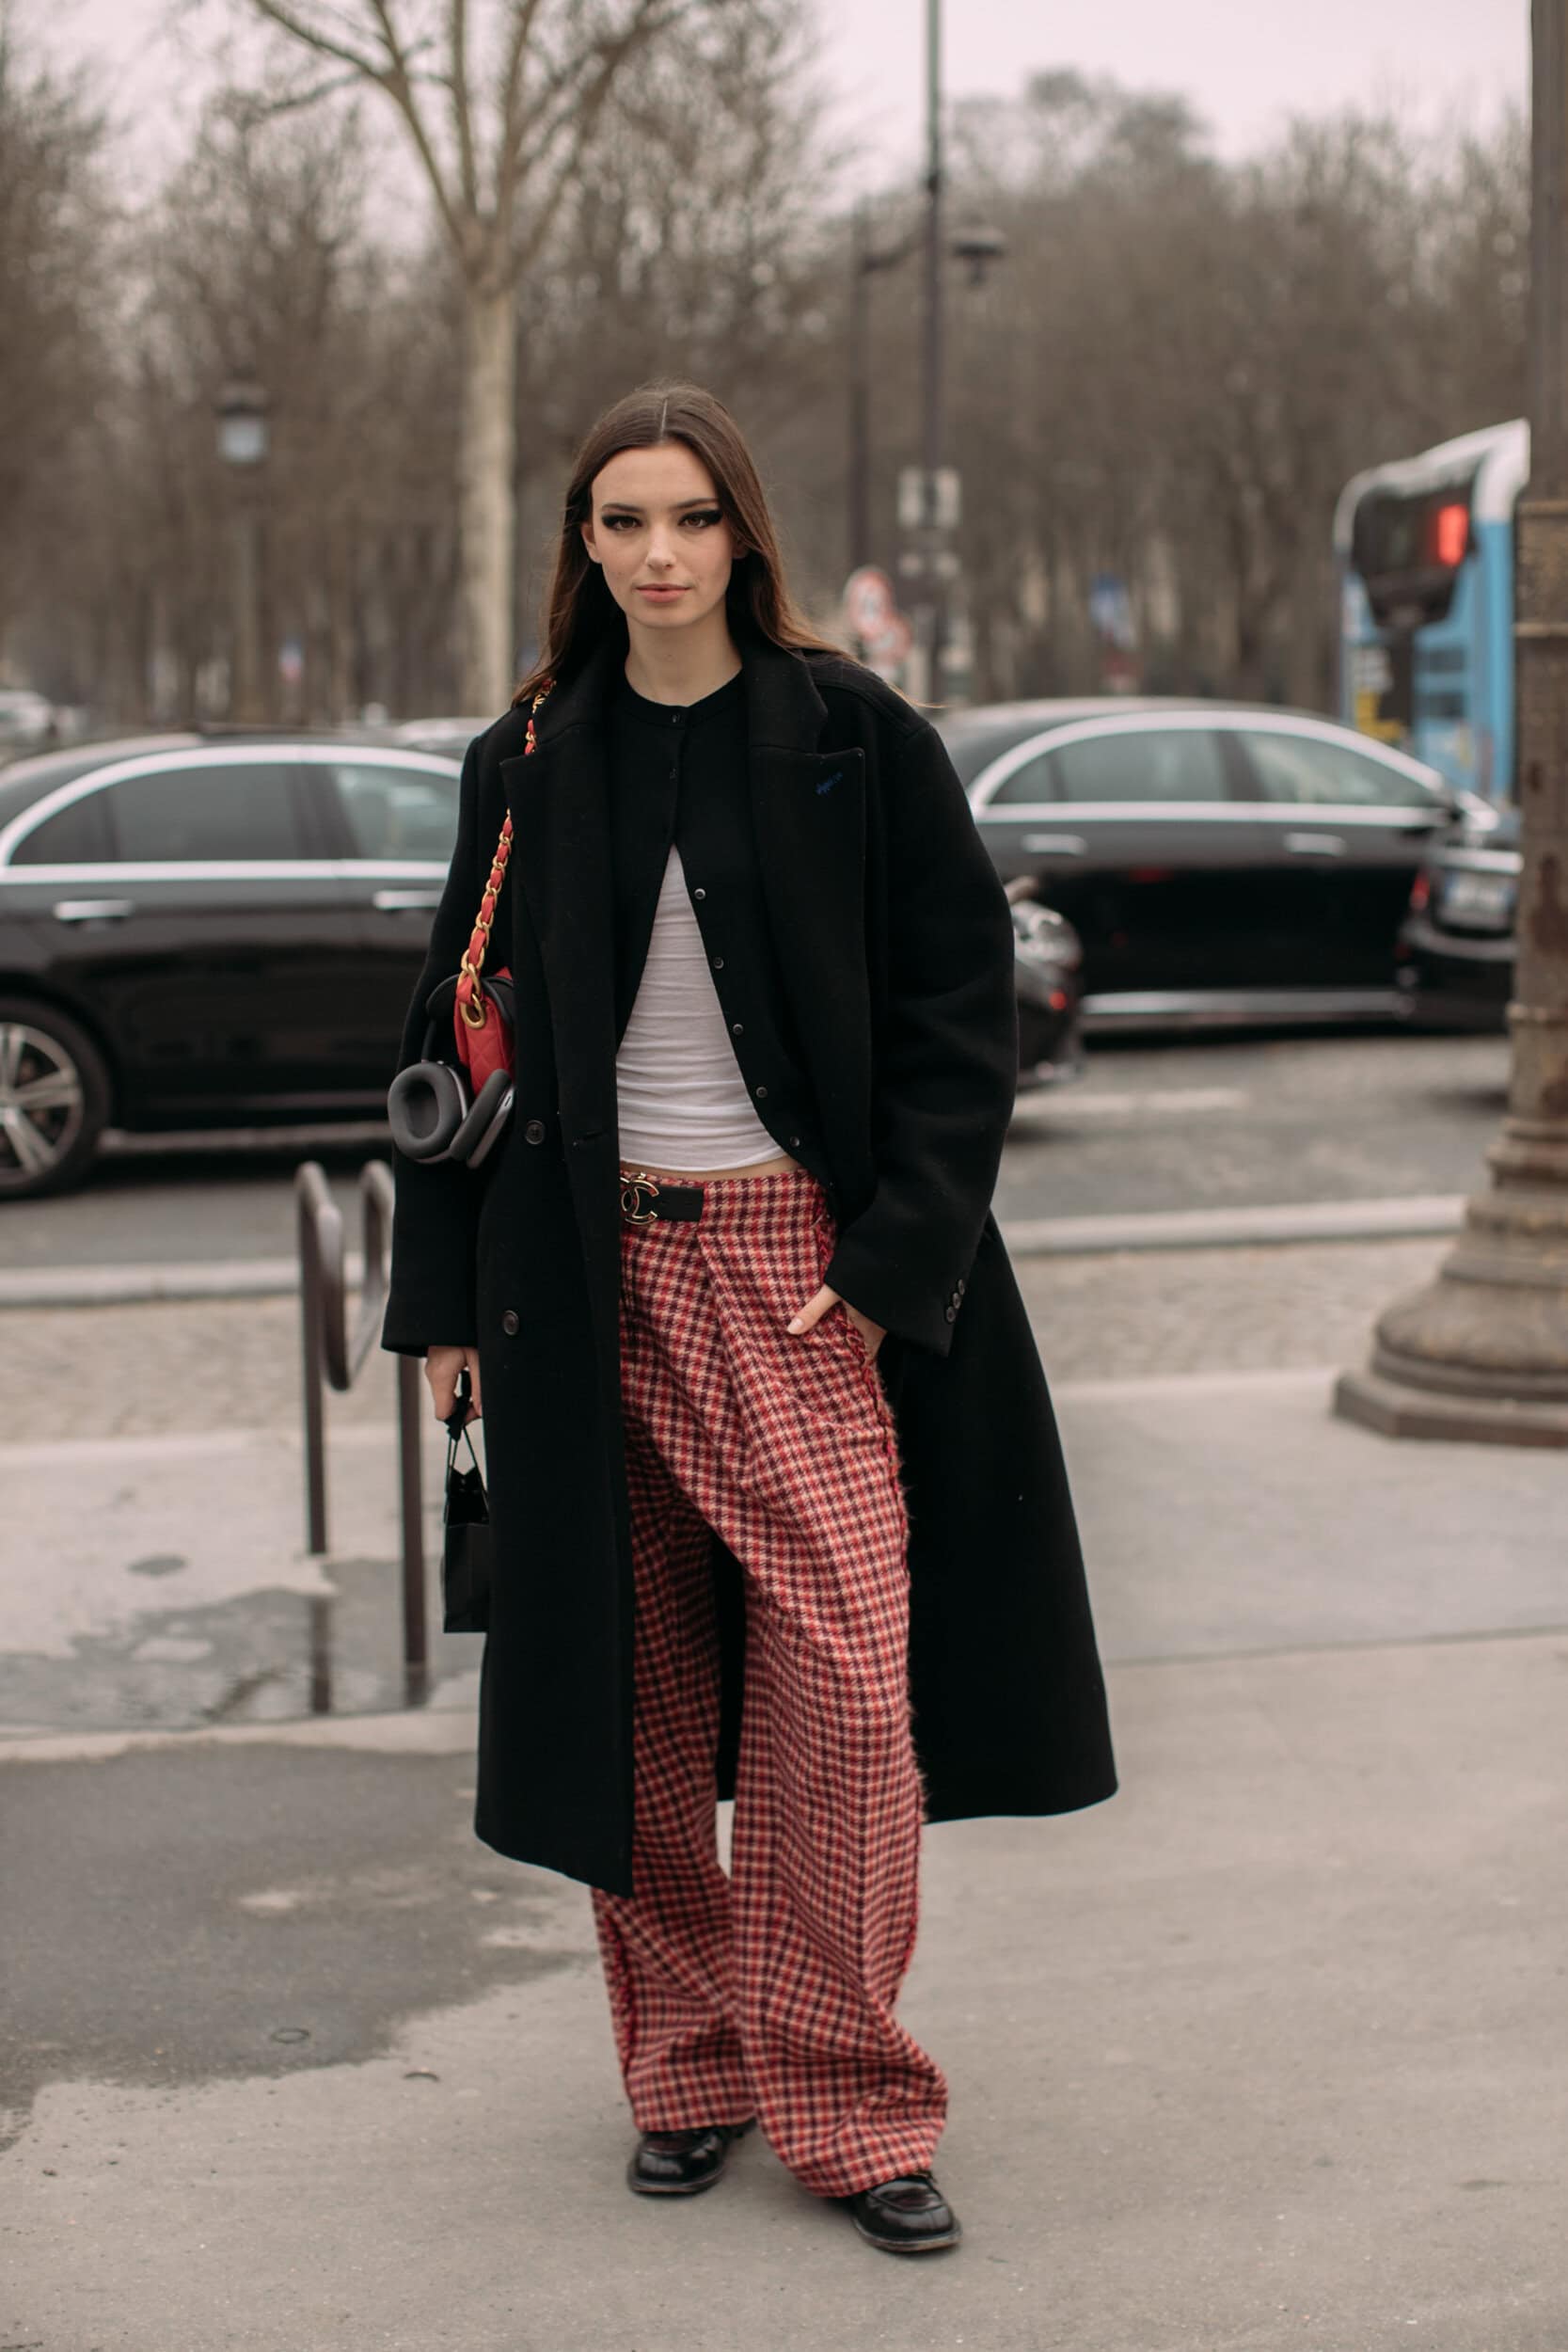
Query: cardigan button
[
  {"x": 951, "y": 1313},
  {"x": 534, "y": 1131},
  {"x": 511, "y": 1323}
]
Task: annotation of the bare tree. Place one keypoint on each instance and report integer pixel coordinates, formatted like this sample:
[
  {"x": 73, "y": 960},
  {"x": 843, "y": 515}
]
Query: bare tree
[
  {"x": 502, "y": 104},
  {"x": 55, "y": 222}
]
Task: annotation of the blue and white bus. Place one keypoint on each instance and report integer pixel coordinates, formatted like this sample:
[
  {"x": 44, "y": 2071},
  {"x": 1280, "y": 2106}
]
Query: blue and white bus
[{"x": 1424, "y": 554}]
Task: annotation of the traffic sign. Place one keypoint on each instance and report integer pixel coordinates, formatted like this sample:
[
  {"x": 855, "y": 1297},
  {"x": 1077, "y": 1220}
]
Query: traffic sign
[
  {"x": 870, "y": 603},
  {"x": 911, "y": 497}
]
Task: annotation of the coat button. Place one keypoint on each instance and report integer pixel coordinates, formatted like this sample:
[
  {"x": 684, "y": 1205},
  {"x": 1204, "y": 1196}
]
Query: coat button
[
  {"x": 699, "y": 894},
  {"x": 534, "y": 1131},
  {"x": 795, "y": 1143},
  {"x": 951, "y": 1313},
  {"x": 511, "y": 1323},
  {"x": 737, "y": 1028},
  {"x": 718, "y": 964},
  {"x": 959, "y": 1292},
  {"x": 760, "y": 1093}
]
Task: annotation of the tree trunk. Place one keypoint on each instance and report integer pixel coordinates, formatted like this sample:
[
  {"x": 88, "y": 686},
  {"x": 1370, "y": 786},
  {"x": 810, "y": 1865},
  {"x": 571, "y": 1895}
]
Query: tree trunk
[{"x": 486, "y": 521}]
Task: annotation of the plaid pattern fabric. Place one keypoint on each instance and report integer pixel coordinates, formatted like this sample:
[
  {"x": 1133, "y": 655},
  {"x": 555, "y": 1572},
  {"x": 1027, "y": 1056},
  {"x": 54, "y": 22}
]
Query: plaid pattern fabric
[{"x": 768, "y": 1992}]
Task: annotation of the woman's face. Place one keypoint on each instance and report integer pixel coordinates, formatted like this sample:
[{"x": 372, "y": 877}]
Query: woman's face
[{"x": 660, "y": 535}]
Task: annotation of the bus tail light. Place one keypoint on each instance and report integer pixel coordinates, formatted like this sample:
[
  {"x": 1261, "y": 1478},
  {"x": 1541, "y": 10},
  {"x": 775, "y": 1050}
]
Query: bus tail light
[{"x": 1452, "y": 535}]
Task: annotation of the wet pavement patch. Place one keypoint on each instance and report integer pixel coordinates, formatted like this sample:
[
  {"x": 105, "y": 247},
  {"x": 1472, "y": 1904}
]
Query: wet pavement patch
[
  {"x": 180, "y": 1914},
  {"x": 262, "y": 1655}
]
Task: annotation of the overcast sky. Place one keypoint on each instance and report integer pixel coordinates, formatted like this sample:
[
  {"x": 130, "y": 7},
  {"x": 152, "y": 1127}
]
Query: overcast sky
[{"x": 1244, "y": 64}]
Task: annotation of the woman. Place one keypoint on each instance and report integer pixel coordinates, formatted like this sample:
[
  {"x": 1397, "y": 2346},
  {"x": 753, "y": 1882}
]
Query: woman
[{"x": 779, "y": 1505}]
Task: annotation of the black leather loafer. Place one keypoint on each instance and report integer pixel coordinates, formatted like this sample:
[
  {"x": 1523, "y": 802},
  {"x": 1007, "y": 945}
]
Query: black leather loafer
[
  {"x": 678, "y": 2164},
  {"x": 909, "y": 2215}
]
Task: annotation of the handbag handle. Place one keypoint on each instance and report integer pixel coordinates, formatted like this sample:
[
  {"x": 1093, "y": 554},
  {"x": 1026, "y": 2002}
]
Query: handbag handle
[
  {"x": 471, "y": 1002},
  {"x": 456, "y": 1423}
]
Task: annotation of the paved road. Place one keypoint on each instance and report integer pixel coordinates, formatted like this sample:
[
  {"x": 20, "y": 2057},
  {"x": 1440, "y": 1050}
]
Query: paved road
[{"x": 1211, "y": 1125}]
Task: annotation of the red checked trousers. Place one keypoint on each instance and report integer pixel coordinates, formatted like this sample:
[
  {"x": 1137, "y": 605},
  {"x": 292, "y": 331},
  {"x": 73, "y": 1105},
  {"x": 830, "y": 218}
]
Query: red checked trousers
[{"x": 768, "y": 1992}]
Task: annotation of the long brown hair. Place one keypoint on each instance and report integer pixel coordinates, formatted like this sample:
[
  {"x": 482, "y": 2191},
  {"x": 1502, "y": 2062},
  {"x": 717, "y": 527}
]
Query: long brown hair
[{"x": 579, "y": 608}]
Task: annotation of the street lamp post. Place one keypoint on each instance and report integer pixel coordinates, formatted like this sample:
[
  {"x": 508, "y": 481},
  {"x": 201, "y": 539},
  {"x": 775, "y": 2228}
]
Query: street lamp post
[
  {"x": 1482, "y": 1352},
  {"x": 864, "y": 259},
  {"x": 978, "y": 247},
  {"x": 242, "y": 439},
  {"x": 931, "y": 361}
]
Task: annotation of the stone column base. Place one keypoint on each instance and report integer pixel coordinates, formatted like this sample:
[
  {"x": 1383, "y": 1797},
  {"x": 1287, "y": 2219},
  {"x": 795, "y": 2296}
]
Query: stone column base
[{"x": 1395, "y": 1409}]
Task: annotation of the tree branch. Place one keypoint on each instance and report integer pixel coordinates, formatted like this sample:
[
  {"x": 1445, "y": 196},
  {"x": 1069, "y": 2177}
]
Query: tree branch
[
  {"x": 398, "y": 83},
  {"x": 458, "y": 92},
  {"x": 285, "y": 19},
  {"x": 601, "y": 62},
  {"x": 523, "y": 14},
  {"x": 650, "y": 17}
]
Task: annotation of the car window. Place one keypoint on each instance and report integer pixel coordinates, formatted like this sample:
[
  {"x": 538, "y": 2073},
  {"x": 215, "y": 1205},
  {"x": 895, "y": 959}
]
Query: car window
[
  {"x": 396, "y": 812},
  {"x": 177, "y": 816},
  {"x": 77, "y": 834},
  {"x": 1141, "y": 764},
  {"x": 1296, "y": 769},
  {"x": 1032, "y": 782}
]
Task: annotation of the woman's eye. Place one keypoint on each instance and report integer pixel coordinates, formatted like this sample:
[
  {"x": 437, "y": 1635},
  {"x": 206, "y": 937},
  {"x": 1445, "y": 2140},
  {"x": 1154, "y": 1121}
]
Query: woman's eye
[
  {"x": 707, "y": 517},
  {"x": 614, "y": 522}
]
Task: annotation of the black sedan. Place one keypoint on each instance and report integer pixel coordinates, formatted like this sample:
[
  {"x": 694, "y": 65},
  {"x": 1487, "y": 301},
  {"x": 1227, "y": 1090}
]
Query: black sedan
[
  {"x": 1223, "y": 866},
  {"x": 205, "y": 931},
  {"x": 1456, "y": 945}
]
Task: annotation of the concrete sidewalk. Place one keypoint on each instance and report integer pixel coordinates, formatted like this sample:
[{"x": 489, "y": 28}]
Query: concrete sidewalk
[{"x": 1270, "y": 2052}]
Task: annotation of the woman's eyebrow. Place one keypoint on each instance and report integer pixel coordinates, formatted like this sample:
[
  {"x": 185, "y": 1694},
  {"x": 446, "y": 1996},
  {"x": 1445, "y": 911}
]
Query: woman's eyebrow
[{"x": 624, "y": 506}]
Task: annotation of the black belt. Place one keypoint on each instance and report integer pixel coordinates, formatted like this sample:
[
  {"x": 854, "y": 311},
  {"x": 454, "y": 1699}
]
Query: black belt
[{"x": 649, "y": 1200}]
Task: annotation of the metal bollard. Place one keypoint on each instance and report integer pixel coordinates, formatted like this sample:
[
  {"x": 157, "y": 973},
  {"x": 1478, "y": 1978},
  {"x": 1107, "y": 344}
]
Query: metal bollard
[{"x": 330, "y": 1355}]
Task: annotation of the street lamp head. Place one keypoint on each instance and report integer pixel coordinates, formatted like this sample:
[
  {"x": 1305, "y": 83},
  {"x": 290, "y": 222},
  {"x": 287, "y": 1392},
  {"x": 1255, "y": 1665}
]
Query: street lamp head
[
  {"x": 977, "y": 246},
  {"x": 242, "y": 420}
]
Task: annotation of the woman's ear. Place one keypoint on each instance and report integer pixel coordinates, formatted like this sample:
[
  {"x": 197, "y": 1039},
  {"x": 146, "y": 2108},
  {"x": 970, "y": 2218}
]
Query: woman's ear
[{"x": 587, "y": 529}]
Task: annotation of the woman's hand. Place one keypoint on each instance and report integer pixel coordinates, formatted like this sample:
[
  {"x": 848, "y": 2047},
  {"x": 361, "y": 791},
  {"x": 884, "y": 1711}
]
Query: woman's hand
[
  {"x": 441, "y": 1368},
  {"x": 814, "y": 1308}
]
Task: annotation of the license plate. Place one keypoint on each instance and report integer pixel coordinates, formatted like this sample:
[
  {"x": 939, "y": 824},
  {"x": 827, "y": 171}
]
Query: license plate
[{"x": 1483, "y": 901}]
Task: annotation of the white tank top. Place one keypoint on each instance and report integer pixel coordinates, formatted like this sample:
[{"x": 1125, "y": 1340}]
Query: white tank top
[{"x": 682, "y": 1101}]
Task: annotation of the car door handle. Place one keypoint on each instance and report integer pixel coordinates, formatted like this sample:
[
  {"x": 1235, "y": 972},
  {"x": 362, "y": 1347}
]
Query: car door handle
[
  {"x": 406, "y": 902},
  {"x": 1315, "y": 844},
  {"x": 1054, "y": 844},
  {"x": 92, "y": 910}
]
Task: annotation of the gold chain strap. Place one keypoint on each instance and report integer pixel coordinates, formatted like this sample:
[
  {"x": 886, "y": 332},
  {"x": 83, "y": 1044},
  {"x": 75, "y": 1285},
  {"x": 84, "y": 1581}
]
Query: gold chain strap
[{"x": 470, "y": 995}]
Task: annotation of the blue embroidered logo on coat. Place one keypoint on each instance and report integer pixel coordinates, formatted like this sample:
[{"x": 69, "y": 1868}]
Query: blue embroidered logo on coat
[{"x": 830, "y": 781}]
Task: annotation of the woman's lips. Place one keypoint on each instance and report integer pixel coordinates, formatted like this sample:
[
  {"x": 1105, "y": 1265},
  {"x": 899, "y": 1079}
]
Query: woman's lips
[{"x": 661, "y": 595}]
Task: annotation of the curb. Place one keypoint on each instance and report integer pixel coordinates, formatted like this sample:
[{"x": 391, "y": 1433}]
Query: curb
[{"x": 1421, "y": 1216}]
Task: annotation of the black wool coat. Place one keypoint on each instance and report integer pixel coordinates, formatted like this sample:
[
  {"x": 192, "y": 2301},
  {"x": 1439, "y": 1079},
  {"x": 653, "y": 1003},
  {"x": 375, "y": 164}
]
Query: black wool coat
[{"x": 895, "y": 947}]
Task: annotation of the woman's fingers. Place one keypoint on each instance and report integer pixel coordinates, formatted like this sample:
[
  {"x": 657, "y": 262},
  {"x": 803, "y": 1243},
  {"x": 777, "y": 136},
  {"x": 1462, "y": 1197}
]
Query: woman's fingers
[
  {"x": 814, "y": 1309},
  {"x": 441, "y": 1368}
]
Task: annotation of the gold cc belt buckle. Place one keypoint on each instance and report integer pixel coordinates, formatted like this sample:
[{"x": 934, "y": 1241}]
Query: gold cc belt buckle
[{"x": 638, "y": 1195}]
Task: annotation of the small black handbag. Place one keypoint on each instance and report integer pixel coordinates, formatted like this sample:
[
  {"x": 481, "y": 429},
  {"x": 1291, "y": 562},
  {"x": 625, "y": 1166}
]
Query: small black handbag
[{"x": 465, "y": 1548}]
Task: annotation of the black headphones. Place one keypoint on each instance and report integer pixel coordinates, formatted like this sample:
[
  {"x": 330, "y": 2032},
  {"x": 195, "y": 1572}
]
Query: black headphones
[{"x": 430, "y": 1109}]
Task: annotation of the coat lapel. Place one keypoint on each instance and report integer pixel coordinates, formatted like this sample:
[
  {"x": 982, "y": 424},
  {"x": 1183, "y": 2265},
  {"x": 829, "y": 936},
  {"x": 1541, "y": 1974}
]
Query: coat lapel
[
  {"x": 560, "y": 804},
  {"x": 808, "y": 813}
]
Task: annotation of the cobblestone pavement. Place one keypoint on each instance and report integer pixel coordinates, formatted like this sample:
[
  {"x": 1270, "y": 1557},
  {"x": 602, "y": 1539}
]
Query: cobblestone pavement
[{"x": 87, "y": 1371}]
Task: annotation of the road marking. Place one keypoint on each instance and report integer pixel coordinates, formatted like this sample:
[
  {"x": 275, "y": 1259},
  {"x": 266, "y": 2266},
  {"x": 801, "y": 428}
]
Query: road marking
[{"x": 1160, "y": 1101}]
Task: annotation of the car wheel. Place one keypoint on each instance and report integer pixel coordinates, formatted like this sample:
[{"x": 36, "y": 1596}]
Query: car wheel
[{"x": 54, "y": 1100}]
